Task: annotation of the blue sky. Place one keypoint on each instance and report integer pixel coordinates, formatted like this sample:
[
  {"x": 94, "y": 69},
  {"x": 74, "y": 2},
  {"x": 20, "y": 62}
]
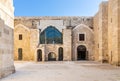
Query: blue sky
[{"x": 56, "y": 7}]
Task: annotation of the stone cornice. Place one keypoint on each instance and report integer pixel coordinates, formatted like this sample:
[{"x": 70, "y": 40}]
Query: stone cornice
[{"x": 51, "y": 17}]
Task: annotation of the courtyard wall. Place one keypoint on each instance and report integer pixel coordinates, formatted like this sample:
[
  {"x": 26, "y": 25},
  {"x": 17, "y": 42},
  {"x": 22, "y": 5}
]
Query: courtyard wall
[{"x": 6, "y": 37}]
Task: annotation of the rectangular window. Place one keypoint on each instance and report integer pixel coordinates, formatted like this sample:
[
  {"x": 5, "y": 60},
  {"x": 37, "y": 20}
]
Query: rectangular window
[
  {"x": 20, "y": 54},
  {"x": 20, "y": 37},
  {"x": 20, "y": 51},
  {"x": 81, "y": 37}
]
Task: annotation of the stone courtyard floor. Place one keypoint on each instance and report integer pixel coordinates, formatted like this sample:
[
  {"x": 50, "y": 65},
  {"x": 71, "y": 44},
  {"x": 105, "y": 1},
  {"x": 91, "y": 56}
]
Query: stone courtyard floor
[{"x": 64, "y": 71}]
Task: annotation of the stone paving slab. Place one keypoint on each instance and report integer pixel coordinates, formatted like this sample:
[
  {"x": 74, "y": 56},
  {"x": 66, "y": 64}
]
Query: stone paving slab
[{"x": 64, "y": 71}]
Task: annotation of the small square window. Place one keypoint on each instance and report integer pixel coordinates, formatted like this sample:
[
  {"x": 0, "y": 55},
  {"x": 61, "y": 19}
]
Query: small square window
[
  {"x": 20, "y": 37},
  {"x": 81, "y": 37}
]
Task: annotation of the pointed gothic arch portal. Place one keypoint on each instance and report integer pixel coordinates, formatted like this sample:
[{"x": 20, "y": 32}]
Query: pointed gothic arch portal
[
  {"x": 81, "y": 53},
  {"x": 51, "y": 35},
  {"x": 39, "y": 55}
]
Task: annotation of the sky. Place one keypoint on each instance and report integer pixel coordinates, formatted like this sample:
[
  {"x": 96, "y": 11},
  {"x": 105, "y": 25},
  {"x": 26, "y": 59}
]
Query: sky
[{"x": 56, "y": 7}]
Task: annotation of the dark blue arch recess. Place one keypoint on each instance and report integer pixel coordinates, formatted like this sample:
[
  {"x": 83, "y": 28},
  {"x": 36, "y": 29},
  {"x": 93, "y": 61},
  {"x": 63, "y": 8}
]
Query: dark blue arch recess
[{"x": 51, "y": 35}]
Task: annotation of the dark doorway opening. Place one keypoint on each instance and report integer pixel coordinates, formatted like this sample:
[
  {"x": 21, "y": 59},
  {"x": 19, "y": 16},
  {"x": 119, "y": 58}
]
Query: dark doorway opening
[
  {"x": 81, "y": 53},
  {"x": 51, "y": 56},
  {"x": 60, "y": 50},
  {"x": 39, "y": 55}
]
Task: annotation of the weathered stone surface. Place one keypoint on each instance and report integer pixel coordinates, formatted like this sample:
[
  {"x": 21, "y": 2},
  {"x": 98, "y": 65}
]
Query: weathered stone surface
[
  {"x": 25, "y": 32},
  {"x": 113, "y": 32},
  {"x": 64, "y": 24},
  {"x": 64, "y": 71},
  {"x": 72, "y": 21},
  {"x": 96, "y": 36},
  {"x": 101, "y": 31},
  {"x": 88, "y": 43},
  {"x": 6, "y": 37},
  {"x": 106, "y": 24}
]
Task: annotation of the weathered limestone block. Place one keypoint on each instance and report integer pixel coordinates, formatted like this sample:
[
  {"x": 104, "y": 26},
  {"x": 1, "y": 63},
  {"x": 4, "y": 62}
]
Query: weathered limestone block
[
  {"x": 24, "y": 43},
  {"x": 96, "y": 36},
  {"x": 6, "y": 37},
  {"x": 34, "y": 42},
  {"x": 67, "y": 42},
  {"x": 103, "y": 32},
  {"x": 67, "y": 21},
  {"x": 106, "y": 24},
  {"x": 113, "y": 32}
]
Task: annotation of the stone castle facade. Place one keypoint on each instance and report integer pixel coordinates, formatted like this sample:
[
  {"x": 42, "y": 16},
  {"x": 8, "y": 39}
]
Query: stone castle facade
[
  {"x": 70, "y": 38},
  {"x": 6, "y": 37},
  {"x": 74, "y": 38},
  {"x": 83, "y": 38},
  {"x": 31, "y": 29}
]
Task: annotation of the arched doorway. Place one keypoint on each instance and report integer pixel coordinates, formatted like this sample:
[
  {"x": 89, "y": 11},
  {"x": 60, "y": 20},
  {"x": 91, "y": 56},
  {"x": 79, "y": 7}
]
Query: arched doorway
[
  {"x": 51, "y": 56},
  {"x": 39, "y": 55},
  {"x": 81, "y": 53},
  {"x": 60, "y": 52}
]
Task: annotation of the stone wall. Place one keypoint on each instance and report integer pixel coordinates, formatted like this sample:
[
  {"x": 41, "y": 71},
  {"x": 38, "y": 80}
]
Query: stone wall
[
  {"x": 24, "y": 43},
  {"x": 48, "y": 48},
  {"x": 68, "y": 21},
  {"x": 96, "y": 36},
  {"x": 34, "y": 42},
  {"x": 37, "y": 24},
  {"x": 6, "y": 38},
  {"x": 106, "y": 28},
  {"x": 29, "y": 42},
  {"x": 67, "y": 43},
  {"x": 88, "y": 43},
  {"x": 103, "y": 32},
  {"x": 113, "y": 31},
  {"x": 7, "y": 12},
  {"x": 119, "y": 32}
]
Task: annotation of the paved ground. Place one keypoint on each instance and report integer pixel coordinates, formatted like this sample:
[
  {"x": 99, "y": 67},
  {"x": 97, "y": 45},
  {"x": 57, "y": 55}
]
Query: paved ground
[{"x": 64, "y": 71}]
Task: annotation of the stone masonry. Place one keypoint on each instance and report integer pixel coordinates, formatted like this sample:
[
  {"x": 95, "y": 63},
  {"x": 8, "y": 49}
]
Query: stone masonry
[
  {"x": 101, "y": 35},
  {"x": 106, "y": 29},
  {"x": 6, "y": 37},
  {"x": 66, "y": 25},
  {"x": 94, "y": 38}
]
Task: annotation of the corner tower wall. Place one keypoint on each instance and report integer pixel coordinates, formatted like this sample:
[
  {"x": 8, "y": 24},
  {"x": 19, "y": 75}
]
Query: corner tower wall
[
  {"x": 6, "y": 37},
  {"x": 113, "y": 32},
  {"x": 101, "y": 33}
]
